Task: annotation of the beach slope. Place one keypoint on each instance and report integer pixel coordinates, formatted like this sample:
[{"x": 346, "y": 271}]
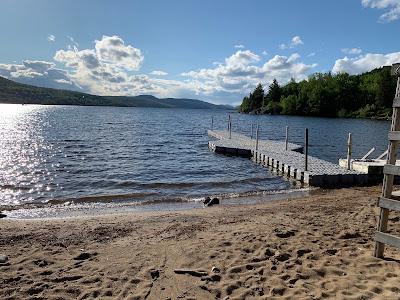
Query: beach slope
[{"x": 318, "y": 247}]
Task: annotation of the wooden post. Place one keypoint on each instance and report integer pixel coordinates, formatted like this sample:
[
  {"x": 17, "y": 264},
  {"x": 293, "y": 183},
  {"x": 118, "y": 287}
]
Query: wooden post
[
  {"x": 257, "y": 132},
  {"x": 306, "y": 149},
  {"x": 349, "y": 142},
  {"x": 287, "y": 138},
  {"x": 388, "y": 178},
  {"x": 251, "y": 137}
]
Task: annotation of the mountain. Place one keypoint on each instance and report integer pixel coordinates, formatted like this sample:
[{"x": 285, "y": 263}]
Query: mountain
[{"x": 18, "y": 93}]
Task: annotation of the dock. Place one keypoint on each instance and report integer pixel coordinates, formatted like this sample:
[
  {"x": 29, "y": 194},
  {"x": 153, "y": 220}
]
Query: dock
[{"x": 285, "y": 158}]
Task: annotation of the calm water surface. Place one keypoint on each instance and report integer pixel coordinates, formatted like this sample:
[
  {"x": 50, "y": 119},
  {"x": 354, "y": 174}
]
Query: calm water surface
[{"x": 50, "y": 153}]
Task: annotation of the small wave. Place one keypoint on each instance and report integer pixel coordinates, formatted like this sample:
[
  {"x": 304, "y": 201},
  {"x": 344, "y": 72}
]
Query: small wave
[{"x": 102, "y": 198}]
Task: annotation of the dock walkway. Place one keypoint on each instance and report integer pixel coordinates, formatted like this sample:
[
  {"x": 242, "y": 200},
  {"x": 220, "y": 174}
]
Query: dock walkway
[{"x": 290, "y": 162}]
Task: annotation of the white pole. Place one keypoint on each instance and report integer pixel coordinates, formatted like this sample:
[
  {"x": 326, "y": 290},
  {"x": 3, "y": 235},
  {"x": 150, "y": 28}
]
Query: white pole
[
  {"x": 349, "y": 152},
  {"x": 257, "y": 132}
]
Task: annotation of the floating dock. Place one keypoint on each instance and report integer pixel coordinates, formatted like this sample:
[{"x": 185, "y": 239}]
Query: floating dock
[{"x": 289, "y": 161}]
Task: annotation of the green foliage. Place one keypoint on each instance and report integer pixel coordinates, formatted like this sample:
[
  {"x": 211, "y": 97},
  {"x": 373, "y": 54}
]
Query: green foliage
[
  {"x": 368, "y": 95},
  {"x": 254, "y": 101},
  {"x": 13, "y": 92}
]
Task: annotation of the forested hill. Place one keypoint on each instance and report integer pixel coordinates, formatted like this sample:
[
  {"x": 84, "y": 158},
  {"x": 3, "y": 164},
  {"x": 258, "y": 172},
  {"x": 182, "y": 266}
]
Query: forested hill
[
  {"x": 369, "y": 95},
  {"x": 13, "y": 92}
]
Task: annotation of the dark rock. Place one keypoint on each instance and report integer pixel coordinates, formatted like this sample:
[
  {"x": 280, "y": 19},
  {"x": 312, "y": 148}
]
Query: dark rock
[
  {"x": 206, "y": 201},
  {"x": 83, "y": 256},
  {"x": 2, "y": 215},
  {"x": 154, "y": 274},
  {"x": 214, "y": 201},
  {"x": 3, "y": 259},
  {"x": 215, "y": 270},
  {"x": 210, "y": 202}
]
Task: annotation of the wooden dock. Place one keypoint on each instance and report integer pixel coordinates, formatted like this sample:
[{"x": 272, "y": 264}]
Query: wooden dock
[{"x": 290, "y": 162}]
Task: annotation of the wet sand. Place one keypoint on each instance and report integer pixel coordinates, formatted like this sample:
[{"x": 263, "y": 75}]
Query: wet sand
[{"x": 316, "y": 247}]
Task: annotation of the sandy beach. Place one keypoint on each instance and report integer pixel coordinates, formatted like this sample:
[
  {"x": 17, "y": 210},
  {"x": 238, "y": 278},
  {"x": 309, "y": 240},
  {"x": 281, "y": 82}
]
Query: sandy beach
[{"x": 318, "y": 247}]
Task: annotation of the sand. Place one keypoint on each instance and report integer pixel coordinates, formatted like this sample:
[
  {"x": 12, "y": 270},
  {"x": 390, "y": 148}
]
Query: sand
[{"x": 318, "y": 247}]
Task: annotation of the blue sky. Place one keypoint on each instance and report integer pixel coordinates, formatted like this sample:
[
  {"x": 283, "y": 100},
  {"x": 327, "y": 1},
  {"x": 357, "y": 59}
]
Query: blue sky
[{"x": 210, "y": 50}]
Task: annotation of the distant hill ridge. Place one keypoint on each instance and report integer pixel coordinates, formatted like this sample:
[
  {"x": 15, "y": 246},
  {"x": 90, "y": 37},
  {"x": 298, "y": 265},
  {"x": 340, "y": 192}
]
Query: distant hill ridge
[{"x": 18, "y": 93}]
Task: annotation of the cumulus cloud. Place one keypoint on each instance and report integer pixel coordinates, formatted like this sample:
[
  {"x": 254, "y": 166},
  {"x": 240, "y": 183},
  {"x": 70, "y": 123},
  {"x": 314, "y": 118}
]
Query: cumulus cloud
[
  {"x": 239, "y": 46},
  {"x": 36, "y": 72},
  {"x": 295, "y": 41},
  {"x": 365, "y": 63},
  {"x": 51, "y": 38},
  {"x": 112, "y": 49},
  {"x": 391, "y": 8},
  {"x": 264, "y": 53},
  {"x": 159, "y": 73},
  {"x": 112, "y": 67},
  {"x": 240, "y": 72},
  {"x": 351, "y": 51}
]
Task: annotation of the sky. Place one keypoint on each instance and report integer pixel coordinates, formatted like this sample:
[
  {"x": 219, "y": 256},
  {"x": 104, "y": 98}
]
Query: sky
[{"x": 213, "y": 50}]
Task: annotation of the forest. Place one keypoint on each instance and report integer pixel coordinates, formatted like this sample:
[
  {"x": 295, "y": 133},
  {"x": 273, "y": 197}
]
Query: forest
[{"x": 368, "y": 95}]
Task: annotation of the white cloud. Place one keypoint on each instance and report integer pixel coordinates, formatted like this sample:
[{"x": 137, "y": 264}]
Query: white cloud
[
  {"x": 351, "y": 51},
  {"x": 365, "y": 63},
  {"x": 295, "y": 41},
  {"x": 241, "y": 72},
  {"x": 51, "y": 38},
  {"x": 312, "y": 54},
  {"x": 264, "y": 53},
  {"x": 112, "y": 67},
  {"x": 391, "y": 8},
  {"x": 159, "y": 73},
  {"x": 239, "y": 46},
  {"x": 41, "y": 73}
]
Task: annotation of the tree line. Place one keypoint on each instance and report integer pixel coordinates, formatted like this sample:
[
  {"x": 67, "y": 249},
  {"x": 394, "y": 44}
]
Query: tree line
[{"x": 368, "y": 95}]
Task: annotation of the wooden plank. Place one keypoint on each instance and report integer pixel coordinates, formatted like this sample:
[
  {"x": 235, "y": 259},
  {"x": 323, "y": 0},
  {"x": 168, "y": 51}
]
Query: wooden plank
[
  {"x": 388, "y": 239},
  {"x": 394, "y": 136},
  {"x": 396, "y": 102},
  {"x": 388, "y": 178},
  {"x": 391, "y": 170},
  {"x": 389, "y": 204}
]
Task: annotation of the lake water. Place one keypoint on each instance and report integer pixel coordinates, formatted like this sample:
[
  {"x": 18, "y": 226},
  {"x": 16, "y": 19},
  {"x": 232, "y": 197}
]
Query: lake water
[{"x": 64, "y": 153}]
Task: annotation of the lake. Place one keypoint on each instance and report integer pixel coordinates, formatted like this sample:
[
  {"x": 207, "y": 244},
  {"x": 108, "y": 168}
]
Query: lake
[{"x": 65, "y": 153}]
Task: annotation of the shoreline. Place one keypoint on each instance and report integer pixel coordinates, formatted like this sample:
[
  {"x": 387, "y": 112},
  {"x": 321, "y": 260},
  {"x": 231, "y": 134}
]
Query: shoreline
[
  {"x": 71, "y": 209},
  {"x": 314, "y": 247}
]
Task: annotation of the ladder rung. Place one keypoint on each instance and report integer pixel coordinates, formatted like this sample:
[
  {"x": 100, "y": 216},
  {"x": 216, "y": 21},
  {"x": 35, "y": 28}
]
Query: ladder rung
[
  {"x": 389, "y": 203},
  {"x": 396, "y": 102},
  {"x": 391, "y": 170},
  {"x": 388, "y": 239},
  {"x": 394, "y": 136}
]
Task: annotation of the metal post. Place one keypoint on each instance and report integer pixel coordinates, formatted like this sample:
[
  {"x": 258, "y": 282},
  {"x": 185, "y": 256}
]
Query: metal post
[
  {"x": 230, "y": 128},
  {"x": 251, "y": 131},
  {"x": 212, "y": 123},
  {"x": 349, "y": 141},
  {"x": 229, "y": 121},
  {"x": 257, "y": 132},
  {"x": 286, "y": 138},
  {"x": 306, "y": 149}
]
